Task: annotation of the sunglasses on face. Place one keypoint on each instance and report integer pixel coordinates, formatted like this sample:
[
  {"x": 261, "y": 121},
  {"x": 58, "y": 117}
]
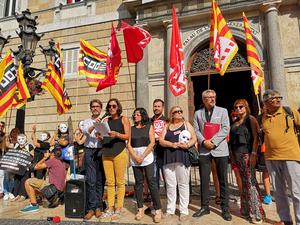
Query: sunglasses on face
[
  {"x": 239, "y": 107},
  {"x": 279, "y": 98},
  {"x": 134, "y": 115},
  {"x": 177, "y": 111},
  {"x": 112, "y": 106}
]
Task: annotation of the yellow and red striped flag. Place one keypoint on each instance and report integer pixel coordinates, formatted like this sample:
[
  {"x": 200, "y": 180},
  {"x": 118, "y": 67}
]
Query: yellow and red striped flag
[
  {"x": 92, "y": 63},
  {"x": 54, "y": 83},
  {"x": 8, "y": 83},
  {"x": 221, "y": 40},
  {"x": 257, "y": 73},
  {"x": 23, "y": 92}
]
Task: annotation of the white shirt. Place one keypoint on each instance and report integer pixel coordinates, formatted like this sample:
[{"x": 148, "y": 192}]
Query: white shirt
[{"x": 91, "y": 140}]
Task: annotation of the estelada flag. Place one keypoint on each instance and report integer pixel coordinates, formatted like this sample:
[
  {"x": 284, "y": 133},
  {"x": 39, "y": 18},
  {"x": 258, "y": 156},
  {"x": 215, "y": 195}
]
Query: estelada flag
[
  {"x": 177, "y": 79},
  {"x": 54, "y": 83},
  {"x": 8, "y": 82},
  {"x": 257, "y": 73},
  {"x": 136, "y": 39},
  {"x": 22, "y": 93},
  {"x": 92, "y": 63},
  {"x": 221, "y": 40},
  {"x": 113, "y": 62}
]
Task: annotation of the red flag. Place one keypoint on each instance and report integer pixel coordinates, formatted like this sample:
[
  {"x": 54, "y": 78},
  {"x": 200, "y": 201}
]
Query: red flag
[
  {"x": 177, "y": 80},
  {"x": 113, "y": 62},
  {"x": 136, "y": 39}
]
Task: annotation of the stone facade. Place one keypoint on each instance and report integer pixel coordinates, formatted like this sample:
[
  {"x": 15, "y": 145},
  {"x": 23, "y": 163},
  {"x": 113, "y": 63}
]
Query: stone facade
[{"x": 91, "y": 20}]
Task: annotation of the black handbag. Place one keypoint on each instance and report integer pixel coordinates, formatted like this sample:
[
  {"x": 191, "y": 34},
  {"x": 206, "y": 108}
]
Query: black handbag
[
  {"x": 49, "y": 191},
  {"x": 193, "y": 155}
]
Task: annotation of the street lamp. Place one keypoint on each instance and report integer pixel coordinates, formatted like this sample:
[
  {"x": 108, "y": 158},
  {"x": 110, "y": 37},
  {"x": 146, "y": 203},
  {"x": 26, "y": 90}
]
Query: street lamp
[
  {"x": 3, "y": 41},
  {"x": 25, "y": 53}
]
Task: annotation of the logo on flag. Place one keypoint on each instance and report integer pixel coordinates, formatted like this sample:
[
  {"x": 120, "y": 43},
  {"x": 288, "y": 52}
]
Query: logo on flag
[
  {"x": 136, "y": 39},
  {"x": 177, "y": 80},
  {"x": 221, "y": 40},
  {"x": 8, "y": 83},
  {"x": 54, "y": 83},
  {"x": 92, "y": 63},
  {"x": 113, "y": 62}
]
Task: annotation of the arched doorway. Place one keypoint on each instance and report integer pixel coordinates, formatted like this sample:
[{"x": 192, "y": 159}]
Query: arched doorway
[{"x": 235, "y": 84}]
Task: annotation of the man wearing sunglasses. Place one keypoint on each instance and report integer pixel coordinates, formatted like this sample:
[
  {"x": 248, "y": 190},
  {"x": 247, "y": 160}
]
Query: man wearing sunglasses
[
  {"x": 213, "y": 147},
  {"x": 282, "y": 154}
]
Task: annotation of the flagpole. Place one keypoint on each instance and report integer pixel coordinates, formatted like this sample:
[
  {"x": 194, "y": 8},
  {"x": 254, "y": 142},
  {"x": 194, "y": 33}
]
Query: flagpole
[
  {"x": 209, "y": 65},
  {"x": 9, "y": 119},
  {"x": 259, "y": 108},
  {"x": 131, "y": 83},
  {"x": 76, "y": 99}
]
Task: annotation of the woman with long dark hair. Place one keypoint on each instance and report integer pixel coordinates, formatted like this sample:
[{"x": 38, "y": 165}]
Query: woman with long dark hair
[
  {"x": 244, "y": 141},
  {"x": 140, "y": 147}
]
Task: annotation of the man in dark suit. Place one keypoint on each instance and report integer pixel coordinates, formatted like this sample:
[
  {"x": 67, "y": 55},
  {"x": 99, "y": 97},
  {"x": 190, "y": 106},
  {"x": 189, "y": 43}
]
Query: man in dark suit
[{"x": 213, "y": 148}]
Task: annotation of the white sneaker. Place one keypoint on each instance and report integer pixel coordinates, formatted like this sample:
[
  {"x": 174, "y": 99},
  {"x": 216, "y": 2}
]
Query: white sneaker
[
  {"x": 6, "y": 197},
  {"x": 11, "y": 196}
]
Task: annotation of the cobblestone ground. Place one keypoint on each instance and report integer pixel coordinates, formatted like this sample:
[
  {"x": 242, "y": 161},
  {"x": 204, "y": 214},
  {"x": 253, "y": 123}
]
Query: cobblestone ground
[{"x": 10, "y": 210}]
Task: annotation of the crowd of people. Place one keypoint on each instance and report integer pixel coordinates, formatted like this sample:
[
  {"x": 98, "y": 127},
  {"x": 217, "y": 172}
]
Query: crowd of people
[{"x": 158, "y": 148}]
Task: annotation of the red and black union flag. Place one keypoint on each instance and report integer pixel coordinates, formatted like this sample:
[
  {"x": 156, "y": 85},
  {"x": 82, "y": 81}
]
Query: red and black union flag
[
  {"x": 8, "y": 83},
  {"x": 92, "y": 63}
]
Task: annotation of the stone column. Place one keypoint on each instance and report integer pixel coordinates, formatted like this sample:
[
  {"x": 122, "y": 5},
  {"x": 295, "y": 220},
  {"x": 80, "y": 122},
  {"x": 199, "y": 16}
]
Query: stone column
[
  {"x": 274, "y": 50},
  {"x": 170, "y": 98},
  {"x": 142, "y": 81}
]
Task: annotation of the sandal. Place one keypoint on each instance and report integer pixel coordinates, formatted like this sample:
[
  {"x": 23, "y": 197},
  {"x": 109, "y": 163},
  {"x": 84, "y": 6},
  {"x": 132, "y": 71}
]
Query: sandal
[
  {"x": 116, "y": 216},
  {"x": 218, "y": 200},
  {"x": 140, "y": 214},
  {"x": 158, "y": 216}
]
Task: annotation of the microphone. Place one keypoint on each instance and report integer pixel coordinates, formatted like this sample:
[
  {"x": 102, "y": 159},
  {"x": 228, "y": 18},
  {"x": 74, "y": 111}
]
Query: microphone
[
  {"x": 54, "y": 219},
  {"x": 105, "y": 115}
]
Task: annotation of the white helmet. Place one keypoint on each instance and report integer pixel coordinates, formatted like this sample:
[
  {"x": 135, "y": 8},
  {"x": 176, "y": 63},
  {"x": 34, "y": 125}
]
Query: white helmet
[{"x": 184, "y": 136}]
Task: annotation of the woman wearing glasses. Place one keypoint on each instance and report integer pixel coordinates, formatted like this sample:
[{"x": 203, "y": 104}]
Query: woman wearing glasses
[
  {"x": 140, "y": 147},
  {"x": 115, "y": 157},
  {"x": 244, "y": 144},
  {"x": 176, "y": 162}
]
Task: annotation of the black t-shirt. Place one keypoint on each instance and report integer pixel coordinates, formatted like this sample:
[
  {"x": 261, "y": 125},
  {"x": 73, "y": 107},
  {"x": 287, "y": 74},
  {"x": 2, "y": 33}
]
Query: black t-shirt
[{"x": 39, "y": 151}]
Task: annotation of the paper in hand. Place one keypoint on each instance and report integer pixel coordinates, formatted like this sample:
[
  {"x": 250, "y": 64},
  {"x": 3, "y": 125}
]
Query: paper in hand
[{"x": 102, "y": 128}]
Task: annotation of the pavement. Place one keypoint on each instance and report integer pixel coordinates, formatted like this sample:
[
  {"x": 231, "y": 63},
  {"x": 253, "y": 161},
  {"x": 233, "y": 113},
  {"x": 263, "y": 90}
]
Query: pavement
[{"x": 10, "y": 214}]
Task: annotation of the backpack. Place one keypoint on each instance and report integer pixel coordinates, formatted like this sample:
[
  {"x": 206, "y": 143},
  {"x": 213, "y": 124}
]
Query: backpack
[{"x": 288, "y": 113}]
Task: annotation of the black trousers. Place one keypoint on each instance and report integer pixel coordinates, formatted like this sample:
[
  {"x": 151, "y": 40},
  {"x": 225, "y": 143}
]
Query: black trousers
[
  {"x": 152, "y": 185},
  {"x": 205, "y": 169},
  {"x": 95, "y": 178}
]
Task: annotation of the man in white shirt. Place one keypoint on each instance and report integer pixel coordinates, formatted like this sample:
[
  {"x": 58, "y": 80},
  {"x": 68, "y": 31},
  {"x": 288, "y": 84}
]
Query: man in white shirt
[{"x": 95, "y": 178}]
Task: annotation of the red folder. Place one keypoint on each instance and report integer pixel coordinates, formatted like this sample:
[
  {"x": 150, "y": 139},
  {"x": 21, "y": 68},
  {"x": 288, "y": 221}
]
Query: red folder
[{"x": 210, "y": 129}]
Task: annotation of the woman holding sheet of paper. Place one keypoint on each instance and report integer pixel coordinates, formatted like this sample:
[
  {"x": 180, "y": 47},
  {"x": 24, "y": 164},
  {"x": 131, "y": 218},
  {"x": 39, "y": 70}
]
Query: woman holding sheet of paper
[
  {"x": 140, "y": 147},
  {"x": 115, "y": 157}
]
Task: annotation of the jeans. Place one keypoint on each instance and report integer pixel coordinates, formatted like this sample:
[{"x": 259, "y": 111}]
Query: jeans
[
  {"x": 139, "y": 185},
  {"x": 8, "y": 182},
  {"x": 95, "y": 178},
  {"x": 205, "y": 169}
]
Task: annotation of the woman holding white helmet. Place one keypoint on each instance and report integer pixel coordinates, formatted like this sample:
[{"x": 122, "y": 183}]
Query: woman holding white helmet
[{"x": 177, "y": 137}]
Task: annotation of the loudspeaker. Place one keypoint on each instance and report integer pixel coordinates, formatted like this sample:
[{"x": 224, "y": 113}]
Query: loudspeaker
[{"x": 75, "y": 199}]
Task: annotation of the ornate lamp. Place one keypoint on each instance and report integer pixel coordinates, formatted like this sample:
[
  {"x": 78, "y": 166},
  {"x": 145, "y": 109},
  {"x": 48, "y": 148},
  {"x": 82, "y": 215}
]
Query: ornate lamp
[{"x": 3, "y": 41}]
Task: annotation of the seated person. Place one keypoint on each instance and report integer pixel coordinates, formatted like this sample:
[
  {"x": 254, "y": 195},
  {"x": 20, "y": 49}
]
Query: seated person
[
  {"x": 57, "y": 176},
  {"x": 19, "y": 191}
]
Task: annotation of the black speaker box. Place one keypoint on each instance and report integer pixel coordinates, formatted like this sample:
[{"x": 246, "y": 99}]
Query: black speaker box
[{"x": 75, "y": 199}]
